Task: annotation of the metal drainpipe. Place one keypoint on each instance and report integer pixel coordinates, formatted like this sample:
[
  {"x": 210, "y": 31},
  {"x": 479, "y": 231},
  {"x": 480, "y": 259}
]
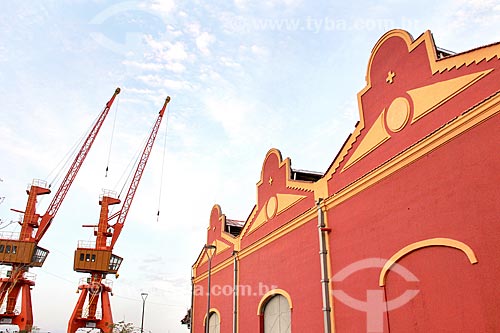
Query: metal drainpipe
[
  {"x": 235, "y": 293},
  {"x": 323, "y": 253},
  {"x": 192, "y": 299}
]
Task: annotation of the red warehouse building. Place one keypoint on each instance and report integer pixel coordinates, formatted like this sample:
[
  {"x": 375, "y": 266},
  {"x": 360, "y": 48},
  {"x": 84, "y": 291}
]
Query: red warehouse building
[{"x": 400, "y": 234}]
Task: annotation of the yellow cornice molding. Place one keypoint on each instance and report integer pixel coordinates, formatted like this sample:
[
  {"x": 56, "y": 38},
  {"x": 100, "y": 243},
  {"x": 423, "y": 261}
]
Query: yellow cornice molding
[
  {"x": 273, "y": 207},
  {"x": 459, "y": 60},
  {"x": 279, "y": 232},
  {"x": 290, "y": 183},
  {"x": 258, "y": 216},
  {"x": 425, "y": 99},
  {"x": 459, "y": 125},
  {"x": 249, "y": 221},
  {"x": 300, "y": 220}
]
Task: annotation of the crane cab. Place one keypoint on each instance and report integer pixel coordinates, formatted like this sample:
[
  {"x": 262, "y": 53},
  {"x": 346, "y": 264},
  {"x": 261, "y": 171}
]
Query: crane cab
[
  {"x": 22, "y": 252},
  {"x": 91, "y": 260}
]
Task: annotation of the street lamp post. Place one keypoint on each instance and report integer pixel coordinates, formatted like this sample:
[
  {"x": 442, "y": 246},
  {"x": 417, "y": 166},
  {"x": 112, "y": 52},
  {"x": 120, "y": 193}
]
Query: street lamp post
[
  {"x": 144, "y": 296},
  {"x": 210, "y": 252}
]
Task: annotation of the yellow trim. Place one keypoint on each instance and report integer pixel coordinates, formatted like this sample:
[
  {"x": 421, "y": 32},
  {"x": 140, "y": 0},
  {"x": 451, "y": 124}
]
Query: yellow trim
[
  {"x": 445, "y": 134},
  {"x": 270, "y": 294},
  {"x": 375, "y": 137},
  {"x": 427, "y": 98},
  {"x": 259, "y": 221},
  {"x": 315, "y": 187},
  {"x": 460, "y": 125},
  {"x": 229, "y": 237},
  {"x": 448, "y": 242},
  {"x": 321, "y": 190},
  {"x": 290, "y": 183},
  {"x": 250, "y": 219},
  {"x": 398, "y": 114},
  {"x": 220, "y": 246},
  {"x": 215, "y": 311},
  {"x": 299, "y": 221},
  {"x": 271, "y": 207},
  {"x": 281, "y": 203},
  {"x": 437, "y": 65}
]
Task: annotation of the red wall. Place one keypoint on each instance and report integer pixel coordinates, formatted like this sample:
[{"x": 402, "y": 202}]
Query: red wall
[
  {"x": 451, "y": 192},
  {"x": 292, "y": 264}
]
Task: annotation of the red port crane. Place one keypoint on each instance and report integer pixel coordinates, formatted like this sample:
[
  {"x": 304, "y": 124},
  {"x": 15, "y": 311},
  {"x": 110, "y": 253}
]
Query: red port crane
[
  {"x": 97, "y": 259},
  {"x": 20, "y": 250}
]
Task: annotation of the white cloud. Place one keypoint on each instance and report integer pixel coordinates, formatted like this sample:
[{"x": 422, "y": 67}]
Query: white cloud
[
  {"x": 287, "y": 3},
  {"x": 176, "y": 52},
  {"x": 173, "y": 31},
  {"x": 138, "y": 91},
  {"x": 175, "y": 67},
  {"x": 203, "y": 42},
  {"x": 168, "y": 51},
  {"x": 270, "y": 3},
  {"x": 259, "y": 51},
  {"x": 228, "y": 62},
  {"x": 3, "y": 54},
  {"x": 232, "y": 113},
  {"x": 240, "y": 3},
  {"x": 193, "y": 28},
  {"x": 482, "y": 12},
  {"x": 160, "y": 82},
  {"x": 143, "y": 65},
  {"x": 209, "y": 74},
  {"x": 163, "y": 6}
]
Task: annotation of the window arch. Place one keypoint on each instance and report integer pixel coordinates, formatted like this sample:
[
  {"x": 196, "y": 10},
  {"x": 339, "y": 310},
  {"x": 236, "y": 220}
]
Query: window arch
[
  {"x": 275, "y": 310},
  {"x": 214, "y": 322}
]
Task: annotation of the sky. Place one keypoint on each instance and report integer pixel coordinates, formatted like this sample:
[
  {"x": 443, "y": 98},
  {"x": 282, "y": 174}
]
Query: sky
[{"x": 244, "y": 77}]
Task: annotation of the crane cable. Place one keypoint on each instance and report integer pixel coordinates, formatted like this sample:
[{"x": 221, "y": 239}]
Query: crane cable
[
  {"x": 57, "y": 172},
  {"x": 163, "y": 164},
  {"x": 112, "y": 136},
  {"x": 132, "y": 165},
  {"x": 70, "y": 154}
]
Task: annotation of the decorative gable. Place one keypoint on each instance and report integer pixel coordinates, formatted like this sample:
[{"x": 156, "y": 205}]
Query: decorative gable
[
  {"x": 410, "y": 94},
  {"x": 277, "y": 192},
  {"x": 216, "y": 235}
]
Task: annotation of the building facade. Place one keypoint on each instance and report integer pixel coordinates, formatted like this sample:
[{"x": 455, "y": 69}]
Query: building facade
[{"x": 400, "y": 234}]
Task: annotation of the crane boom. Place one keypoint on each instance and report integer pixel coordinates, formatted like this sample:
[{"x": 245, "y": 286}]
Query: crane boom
[
  {"x": 137, "y": 176},
  {"x": 63, "y": 189},
  {"x": 98, "y": 258},
  {"x": 23, "y": 253}
]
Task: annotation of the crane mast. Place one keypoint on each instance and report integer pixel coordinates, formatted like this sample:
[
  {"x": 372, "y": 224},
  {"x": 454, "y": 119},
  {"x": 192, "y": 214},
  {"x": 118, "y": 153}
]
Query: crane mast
[
  {"x": 97, "y": 258},
  {"x": 21, "y": 251}
]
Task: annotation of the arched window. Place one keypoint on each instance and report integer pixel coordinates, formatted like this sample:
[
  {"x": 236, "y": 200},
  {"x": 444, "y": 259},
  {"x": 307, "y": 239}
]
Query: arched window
[
  {"x": 214, "y": 323},
  {"x": 277, "y": 315}
]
